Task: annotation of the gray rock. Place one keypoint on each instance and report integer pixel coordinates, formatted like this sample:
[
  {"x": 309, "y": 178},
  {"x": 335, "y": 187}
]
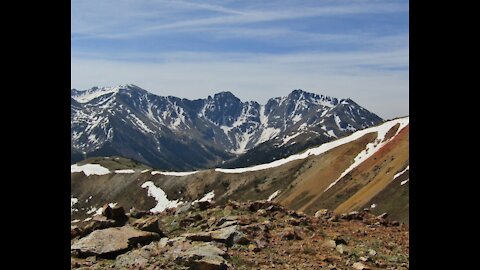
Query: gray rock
[
  {"x": 198, "y": 236},
  {"x": 137, "y": 259},
  {"x": 342, "y": 249},
  {"x": 225, "y": 235},
  {"x": 111, "y": 241},
  {"x": 184, "y": 208},
  {"x": 329, "y": 244},
  {"x": 135, "y": 213},
  {"x": 360, "y": 266},
  {"x": 149, "y": 224},
  {"x": 240, "y": 238},
  {"x": 203, "y": 256},
  {"x": 324, "y": 213}
]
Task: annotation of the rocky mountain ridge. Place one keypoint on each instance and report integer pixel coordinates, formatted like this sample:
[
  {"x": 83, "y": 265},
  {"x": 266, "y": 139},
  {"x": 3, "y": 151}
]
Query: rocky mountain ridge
[{"x": 180, "y": 134}]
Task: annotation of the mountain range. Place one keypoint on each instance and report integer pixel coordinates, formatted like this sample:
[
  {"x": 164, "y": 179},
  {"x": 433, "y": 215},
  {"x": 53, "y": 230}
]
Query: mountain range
[{"x": 172, "y": 133}]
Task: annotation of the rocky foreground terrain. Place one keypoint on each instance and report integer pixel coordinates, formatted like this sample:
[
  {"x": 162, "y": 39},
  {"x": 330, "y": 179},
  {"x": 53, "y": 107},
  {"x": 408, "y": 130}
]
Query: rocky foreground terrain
[{"x": 234, "y": 235}]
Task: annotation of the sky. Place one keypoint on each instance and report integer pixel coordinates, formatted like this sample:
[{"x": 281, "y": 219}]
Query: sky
[{"x": 254, "y": 49}]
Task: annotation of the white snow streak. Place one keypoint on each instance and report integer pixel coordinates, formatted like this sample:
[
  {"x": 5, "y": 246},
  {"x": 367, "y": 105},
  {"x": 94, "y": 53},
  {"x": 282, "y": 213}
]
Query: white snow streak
[
  {"x": 273, "y": 196},
  {"x": 125, "y": 171},
  {"x": 174, "y": 173},
  {"x": 400, "y": 173},
  {"x": 404, "y": 182}
]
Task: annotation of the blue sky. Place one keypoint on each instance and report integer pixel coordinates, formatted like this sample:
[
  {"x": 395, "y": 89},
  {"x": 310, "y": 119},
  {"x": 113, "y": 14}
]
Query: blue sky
[{"x": 255, "y": 49}]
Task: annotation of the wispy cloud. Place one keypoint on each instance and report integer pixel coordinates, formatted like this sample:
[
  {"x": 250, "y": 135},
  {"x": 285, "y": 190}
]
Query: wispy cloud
[
  {"x": 106, "y": 23},
  {"x": 256, "y": 49}
]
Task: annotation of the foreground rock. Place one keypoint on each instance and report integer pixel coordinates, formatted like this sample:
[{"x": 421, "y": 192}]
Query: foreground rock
[
  {"x": 248, "y": 235},
  {"x": 204, "y": 256},
  {"x": 111, "y": 242}
]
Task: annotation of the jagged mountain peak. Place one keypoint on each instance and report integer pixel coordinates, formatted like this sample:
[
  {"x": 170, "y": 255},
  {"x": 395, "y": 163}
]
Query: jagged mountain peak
[{"x": 174, "y": 133}]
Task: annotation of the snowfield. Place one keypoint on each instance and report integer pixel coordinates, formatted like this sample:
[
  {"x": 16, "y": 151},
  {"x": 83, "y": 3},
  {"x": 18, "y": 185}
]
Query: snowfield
[{"x": 90, "y": 169}]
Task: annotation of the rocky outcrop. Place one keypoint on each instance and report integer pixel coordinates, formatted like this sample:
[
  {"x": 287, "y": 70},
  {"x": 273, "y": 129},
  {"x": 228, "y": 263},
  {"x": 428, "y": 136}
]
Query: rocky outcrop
[
  {"x": 250, "y": 235},
  {"x": 112, "y": 241}
]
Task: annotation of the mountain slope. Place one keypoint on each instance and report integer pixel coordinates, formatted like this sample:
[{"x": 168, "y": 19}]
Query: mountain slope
[
  {"x": 180, "y": 134},
  {"x": 365, "y": 168}
]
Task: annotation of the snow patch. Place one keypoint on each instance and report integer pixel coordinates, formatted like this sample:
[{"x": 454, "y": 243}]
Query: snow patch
[
  {"x": 73, "y": 201},
  {"x": 206, "y": 198},
  {"x": 404, "y": 182},
  {"x": 90, "y": 169},
  {"x": 174, "y": 173},
  {"x": 125, "y": 171},
  {"x": 267, "y": 134},
  {"x": 160, "y": 196},
  {"x": 88, "y": 95},
  {"x": 331, "y": 134}
]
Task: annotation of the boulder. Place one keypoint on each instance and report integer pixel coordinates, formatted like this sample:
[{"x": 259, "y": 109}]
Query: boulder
[
  {"x": 342, "y": 249},
  {"x": 135, "y": 213},
  {"x": 225, "y": 235},
  {"x": 360, "y": 266},
  {"x": 99, "y": 223},
  {"x": 324, "y": 213},
  {"x": 184, "y": 208},
  {"x": 205, "y": 256},
  {"x": 329, "y": 244},
  {"x": 149, "y": 224},
  {"x": 203, "y": 205},
  {"x": 116, "y": 212},
  {"x": 198, "y": 236},
  {"x": 138, "y": 258},
  {"x": 111, "y": 242}
]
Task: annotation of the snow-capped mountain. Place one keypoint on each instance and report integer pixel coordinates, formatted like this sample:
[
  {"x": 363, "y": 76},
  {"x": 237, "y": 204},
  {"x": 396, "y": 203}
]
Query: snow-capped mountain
[{"x": 178, "y": 134}]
